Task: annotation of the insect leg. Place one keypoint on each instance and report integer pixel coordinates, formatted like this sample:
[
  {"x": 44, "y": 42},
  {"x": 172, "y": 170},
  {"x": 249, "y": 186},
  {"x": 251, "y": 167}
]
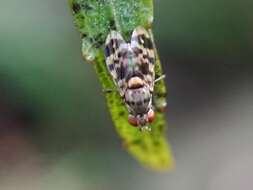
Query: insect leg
[
  {"x": 159, "y": 99},
  {"x": 109, "y": 90},
  {"x": 160, "y": 78}
]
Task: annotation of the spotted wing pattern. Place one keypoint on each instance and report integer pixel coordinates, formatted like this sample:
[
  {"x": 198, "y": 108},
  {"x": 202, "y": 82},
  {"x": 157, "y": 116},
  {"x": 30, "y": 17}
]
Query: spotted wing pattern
[
  {"x": 143, "y": 47},
  {"x": 113, "y": 50}
]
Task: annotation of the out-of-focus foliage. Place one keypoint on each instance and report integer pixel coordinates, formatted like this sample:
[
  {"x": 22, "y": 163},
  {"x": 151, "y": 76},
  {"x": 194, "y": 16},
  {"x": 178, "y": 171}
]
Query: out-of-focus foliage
[{"x": 54, "y": 122}]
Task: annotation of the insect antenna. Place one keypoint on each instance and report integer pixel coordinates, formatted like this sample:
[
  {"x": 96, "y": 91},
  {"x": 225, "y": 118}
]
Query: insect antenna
[{"x": 145, "y": 129}]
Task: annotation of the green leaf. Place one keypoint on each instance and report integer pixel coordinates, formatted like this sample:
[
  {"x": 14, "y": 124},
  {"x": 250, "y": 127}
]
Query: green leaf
[{"x": 95, "y": 19}]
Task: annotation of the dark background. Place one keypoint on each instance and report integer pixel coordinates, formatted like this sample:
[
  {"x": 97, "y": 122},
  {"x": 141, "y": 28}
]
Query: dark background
[{"x": 56, "y": 132}]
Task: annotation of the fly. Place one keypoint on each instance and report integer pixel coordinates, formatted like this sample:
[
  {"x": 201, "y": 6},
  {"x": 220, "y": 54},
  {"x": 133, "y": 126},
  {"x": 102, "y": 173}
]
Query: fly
[{"x": 132, "y": 67}]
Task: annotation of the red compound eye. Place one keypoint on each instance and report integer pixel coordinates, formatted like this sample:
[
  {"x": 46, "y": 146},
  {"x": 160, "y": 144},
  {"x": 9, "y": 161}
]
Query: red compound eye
[
  {"x": 151, "y": 116},
  {"x": 132, "y": 120}
]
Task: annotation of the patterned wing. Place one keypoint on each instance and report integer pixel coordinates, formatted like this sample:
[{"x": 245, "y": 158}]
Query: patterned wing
[
  {"x": 143, "y": 47},
  {"x": 113, "y": 52}
]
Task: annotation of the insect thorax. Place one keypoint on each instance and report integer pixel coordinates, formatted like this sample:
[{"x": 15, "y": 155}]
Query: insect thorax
[{"x": 138, "y": 100}]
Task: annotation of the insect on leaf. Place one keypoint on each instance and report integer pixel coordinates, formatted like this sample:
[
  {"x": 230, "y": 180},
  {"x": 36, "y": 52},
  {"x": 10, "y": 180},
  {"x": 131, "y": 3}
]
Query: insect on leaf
[{"x": 95, "y": 19}]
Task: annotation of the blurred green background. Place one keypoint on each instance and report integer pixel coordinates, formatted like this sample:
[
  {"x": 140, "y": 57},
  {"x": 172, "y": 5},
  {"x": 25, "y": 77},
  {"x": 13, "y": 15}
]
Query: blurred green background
[{"x": 56, "y": 132}]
